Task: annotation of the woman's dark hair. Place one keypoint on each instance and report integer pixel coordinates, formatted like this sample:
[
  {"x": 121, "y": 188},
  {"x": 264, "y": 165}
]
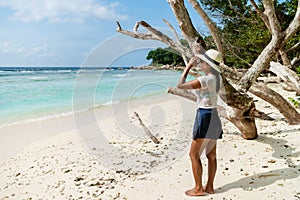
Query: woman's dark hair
[{"x": 217, "y": 75}]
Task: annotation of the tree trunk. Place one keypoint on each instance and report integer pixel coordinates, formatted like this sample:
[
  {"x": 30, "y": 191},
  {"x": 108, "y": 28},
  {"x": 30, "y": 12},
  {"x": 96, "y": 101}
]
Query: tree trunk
[{"x": 244, "y": 123}]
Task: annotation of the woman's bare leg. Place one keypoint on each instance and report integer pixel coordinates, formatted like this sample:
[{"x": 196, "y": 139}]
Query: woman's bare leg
[
  {"x": 196, "y": 150},
  {"x": 211, "y": 155}
]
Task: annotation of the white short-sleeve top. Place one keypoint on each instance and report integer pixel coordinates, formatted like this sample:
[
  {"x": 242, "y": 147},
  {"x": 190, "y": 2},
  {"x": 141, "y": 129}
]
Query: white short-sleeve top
[{"x": 207, "y": 96}]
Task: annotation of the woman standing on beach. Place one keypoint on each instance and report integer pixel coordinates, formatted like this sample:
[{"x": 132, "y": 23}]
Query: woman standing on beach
[{"x": 207, "y": 126}]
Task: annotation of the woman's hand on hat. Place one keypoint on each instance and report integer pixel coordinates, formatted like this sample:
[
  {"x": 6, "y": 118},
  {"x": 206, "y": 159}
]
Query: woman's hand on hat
[{"x": 193, "y": 61}]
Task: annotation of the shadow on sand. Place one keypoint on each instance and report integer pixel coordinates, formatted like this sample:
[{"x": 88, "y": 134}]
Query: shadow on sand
[{"x": 282, "y": 150}]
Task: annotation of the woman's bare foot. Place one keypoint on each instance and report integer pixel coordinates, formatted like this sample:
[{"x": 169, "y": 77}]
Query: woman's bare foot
[
  {"x": 208, "y": 190},
  {"x": 195, "y": 192}
]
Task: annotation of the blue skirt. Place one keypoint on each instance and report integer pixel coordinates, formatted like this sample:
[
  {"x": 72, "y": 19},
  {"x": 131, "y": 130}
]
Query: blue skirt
[{"x": 207, "y": 124}]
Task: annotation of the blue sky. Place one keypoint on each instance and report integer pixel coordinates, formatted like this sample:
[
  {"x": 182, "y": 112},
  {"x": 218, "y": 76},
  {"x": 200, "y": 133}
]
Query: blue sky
[{"x": 65, "y": 32}]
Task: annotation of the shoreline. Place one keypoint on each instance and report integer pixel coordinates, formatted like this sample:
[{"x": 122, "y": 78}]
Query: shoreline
[
  {"x": 58, "y": 123},
  {"x": 66, "y": 113}
]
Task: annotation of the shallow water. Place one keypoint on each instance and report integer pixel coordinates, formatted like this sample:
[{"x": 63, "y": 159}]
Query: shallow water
[{"x": 28, "y": 94}]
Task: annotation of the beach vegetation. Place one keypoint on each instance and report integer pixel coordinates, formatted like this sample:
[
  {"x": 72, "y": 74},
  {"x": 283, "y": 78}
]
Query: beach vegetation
[{"x": 164, "y": 56}]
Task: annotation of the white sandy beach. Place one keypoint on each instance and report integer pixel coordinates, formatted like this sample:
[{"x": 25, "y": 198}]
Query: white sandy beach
[{"x": 104, "y": 154}]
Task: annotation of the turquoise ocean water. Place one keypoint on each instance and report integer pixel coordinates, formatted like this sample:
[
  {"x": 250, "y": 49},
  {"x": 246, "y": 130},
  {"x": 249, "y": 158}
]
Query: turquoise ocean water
[{"x": 29, "y": 94}]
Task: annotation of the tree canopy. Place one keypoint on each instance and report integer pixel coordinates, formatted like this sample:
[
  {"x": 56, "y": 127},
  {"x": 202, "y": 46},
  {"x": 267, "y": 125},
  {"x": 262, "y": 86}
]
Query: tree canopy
[
  {"x": 165, "y": 56},
  {"x": 244, "y": 33}
]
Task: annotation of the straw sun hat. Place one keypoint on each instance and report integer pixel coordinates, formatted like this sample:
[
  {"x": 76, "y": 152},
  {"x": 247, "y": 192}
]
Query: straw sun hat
[{"x": 211, "y": 57}]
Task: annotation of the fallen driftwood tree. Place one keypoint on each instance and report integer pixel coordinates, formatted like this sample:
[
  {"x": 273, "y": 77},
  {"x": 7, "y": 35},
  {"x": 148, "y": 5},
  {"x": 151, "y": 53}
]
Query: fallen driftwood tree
[{"x": 241, "y": 109}]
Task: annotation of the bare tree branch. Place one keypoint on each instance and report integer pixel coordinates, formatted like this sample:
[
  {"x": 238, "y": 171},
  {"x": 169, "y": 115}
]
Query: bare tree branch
[
  {"x": 143, "y": 36},
  {"x": 274, "y": 24},
  {"x": 185, "y": 23},
  {"x": 166, "y": 39},
  {"x": 211, "y": 26},
  {"x": 293, "y": 48},
  {"x": 261, "y": 14},
  {"x": 155, "y": 34},
  {"x": 294, "y": 25},
  {"x": 183, "y": 93},
  {"x": 173, "y": 30}
]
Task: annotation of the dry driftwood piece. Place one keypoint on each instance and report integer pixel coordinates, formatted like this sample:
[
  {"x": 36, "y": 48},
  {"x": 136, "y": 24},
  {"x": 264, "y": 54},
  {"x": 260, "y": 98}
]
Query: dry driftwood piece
[
  {"x": 183, "y": 93},
  {"x": 153, "y": 138},
  {"x": 289, "y": 77}
]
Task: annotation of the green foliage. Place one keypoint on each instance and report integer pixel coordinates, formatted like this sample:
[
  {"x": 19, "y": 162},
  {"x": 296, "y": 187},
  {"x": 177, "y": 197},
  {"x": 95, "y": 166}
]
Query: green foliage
[
  {"x": 244, "y": 41},
  {"x": 164, "y": 56},
  {"x": 294, "y": 101},
  {"x": 285, "y": 13},
  {"x": 298, "y": 70},
  {"x": 243, "y": 32}
]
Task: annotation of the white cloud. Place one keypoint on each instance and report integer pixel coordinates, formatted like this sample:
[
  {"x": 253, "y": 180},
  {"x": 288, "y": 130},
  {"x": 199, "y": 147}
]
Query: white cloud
[
  {"x": 7, "y": 48},
  {"x": 59, "y": 11},
  {"x": 38, "y": 51}
]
